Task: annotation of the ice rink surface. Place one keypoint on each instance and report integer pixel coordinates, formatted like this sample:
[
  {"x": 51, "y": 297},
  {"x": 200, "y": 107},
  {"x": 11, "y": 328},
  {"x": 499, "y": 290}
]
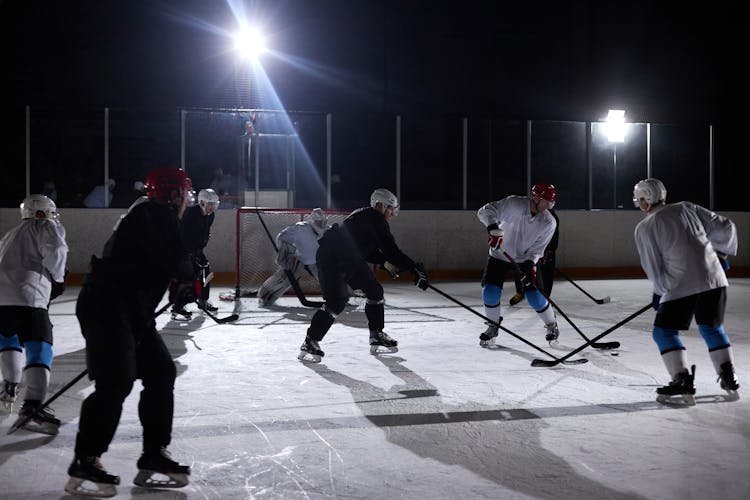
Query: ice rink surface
[{"x": 442, "y": 418}]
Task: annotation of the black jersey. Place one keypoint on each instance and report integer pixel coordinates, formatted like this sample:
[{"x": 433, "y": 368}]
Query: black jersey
[
  {"x": 139, "y": 260},
  {"x": 372, "y": 234},
  {"x": 196, "y": 229}
]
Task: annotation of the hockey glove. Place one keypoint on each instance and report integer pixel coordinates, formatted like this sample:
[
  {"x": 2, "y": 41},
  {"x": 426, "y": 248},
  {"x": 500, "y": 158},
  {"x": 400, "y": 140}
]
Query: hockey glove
[
  {"x": 528, "y": 275},
  {"x": 723, "y": 261},
  {"x": 655, "y": 299},
  {"x": 495, "y": 236},
  {"x": 392, "y": 270},
  {"x": 420, "y": 276},
  {"x": 57, "y": 289}
]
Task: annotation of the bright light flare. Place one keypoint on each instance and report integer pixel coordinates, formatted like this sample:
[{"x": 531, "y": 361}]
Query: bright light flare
[
  {"x": 250, "y": 44},
  {"x": 615, "y": 126}
]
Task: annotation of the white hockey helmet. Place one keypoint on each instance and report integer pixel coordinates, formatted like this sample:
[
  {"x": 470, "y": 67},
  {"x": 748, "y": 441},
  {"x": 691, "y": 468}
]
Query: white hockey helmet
[
  {"x": 38, "y": 206},
  {"x": 384, "y": 197},
  {"x": 208, "y": 200},
  {"x": 318, "y": 217},
  {"x": 652, "y": 190}
]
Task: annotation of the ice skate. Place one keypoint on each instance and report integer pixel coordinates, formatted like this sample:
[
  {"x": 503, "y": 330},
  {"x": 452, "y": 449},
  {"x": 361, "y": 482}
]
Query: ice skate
[
  {"x": 89, "y": 479},
  {"x": 310, "y": 351},
  {"x": 180, "y": 314},
  {"x": 680, "y": 391},
  {"x": 487, "y": 338},
  {"x": 207, "y": 306},
  {"x": 728, "y": 381},
  {"x": 518, "y": 297},
  {"x": 381, "y": 342},
  {"x": 552, "y": 333},
  {"x": 158, "y": 470},
  {"x": 8, "y": 397},
  {"x": 43, "y": 421}
]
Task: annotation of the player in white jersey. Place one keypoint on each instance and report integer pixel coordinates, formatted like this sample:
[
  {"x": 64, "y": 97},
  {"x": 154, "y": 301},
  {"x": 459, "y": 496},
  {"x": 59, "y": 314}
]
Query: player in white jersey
[
  {"x": 519, "y": 227},
  {"x": 683, "y": 249},
  {"x": 297, "y": 246},
  {"x": 32, "y": 272}
]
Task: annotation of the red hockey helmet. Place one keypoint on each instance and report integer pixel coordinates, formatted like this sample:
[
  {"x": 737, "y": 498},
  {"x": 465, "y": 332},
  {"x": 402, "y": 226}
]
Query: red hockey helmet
[
  {"x": 545, "y": 192},
  {"x": 160, "y": 182}
]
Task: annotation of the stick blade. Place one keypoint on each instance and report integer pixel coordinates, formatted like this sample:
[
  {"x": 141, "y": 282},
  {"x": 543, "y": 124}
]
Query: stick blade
[
  {"x": 604, "y": 300},
  {"x": 544, "y": 363},
  {"x": 605, "y": 345}
]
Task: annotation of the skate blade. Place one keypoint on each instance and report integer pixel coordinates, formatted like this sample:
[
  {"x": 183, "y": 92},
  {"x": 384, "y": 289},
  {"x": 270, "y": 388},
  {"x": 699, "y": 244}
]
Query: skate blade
[
  {"x": 487, "y": 343},
  {"x": 6, "y": 408},
  {"x": 83, "y": 488},
  {"x": 732, "y": 394},
  {"x": 153, "y": 479},
  {"x": 381, "y": 349},
  {"x": 676, "y": 399},
  {"x": 554, "y": 342},
  {"x": 308, "y": 358}
]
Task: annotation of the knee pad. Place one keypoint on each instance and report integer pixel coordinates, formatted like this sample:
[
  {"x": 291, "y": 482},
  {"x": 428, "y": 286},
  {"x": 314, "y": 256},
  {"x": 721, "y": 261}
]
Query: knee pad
[
  {"x": 536, "y": 300},
  {"x": 10, "y": 343},
  {"x": 38, "y": 353},
  {"x": 491, "y": 295},
  {"x": 667, "y": 339},
  {"x": 715, "y": 337}
]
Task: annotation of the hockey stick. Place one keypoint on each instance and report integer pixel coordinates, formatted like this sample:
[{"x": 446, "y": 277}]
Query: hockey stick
[
  {"x": 548, "y": 363},
  {"x": 27, "y": 418},
  {"x": 289, "y": 274},
  {"x": 488, "y": 320},
  {"x": 595, "y": 345},
  {"x": 20, "y": 423},
  {"x": 221, "y": 321},
  {"x": 603, "y": 300},
  {"x": 158, "y": 313}
]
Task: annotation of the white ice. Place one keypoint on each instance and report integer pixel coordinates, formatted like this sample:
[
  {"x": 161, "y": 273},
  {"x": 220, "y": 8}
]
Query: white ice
[{"x": 442, "y": 418}]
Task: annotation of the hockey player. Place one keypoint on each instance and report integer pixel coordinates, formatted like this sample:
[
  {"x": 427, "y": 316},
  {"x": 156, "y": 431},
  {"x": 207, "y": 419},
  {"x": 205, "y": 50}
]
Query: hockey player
[
  {"x": 342, "y": 259},
  {"x": 525, "y": 224},
  {"x": 195, "y": 271},
  {"x": 683, "y": 249},
  {"x": 116, "y": 311},
  {"x": 545, "y": 266},
  {"x": 297, "y": 245},
  {"x": 32, "y": 271}
]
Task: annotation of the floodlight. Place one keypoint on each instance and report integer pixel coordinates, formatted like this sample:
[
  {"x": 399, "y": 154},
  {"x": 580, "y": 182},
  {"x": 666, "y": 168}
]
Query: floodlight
[
  {"x": 250, "y": 43},
  {"x": 615, "y": 126}
]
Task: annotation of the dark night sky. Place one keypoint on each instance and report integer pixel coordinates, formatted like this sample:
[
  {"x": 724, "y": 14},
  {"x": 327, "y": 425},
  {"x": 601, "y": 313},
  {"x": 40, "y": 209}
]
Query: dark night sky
[{"x": 539, "y": 60}]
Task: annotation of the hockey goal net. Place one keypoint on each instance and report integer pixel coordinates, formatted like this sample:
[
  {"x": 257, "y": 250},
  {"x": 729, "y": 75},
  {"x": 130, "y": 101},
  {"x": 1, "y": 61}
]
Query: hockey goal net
[{"x": 255, "y": 256}]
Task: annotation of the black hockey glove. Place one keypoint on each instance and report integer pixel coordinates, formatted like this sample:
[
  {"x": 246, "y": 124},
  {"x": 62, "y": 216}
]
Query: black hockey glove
[
  {"x": 528, "y": 275},
  {"x": 655, "y": 299},
  {"x": 420, "y": 276},
  {"x": 58, "y": 288}
]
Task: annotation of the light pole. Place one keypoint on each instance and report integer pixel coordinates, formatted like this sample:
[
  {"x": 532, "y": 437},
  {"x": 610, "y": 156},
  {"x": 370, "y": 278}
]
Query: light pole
[{"x": 615, "y": 128}]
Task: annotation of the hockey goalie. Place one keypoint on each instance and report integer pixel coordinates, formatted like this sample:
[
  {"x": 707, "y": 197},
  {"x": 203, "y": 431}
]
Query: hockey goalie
[{"x": 297, "y": 245}]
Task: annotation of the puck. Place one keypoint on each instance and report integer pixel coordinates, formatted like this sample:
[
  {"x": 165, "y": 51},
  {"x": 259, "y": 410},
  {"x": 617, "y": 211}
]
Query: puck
[{"x": 615, "y": 353}]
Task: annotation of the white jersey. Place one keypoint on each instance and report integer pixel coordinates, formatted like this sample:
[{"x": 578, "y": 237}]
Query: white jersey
[
  {"x": 677, "y": 244},
  {"x": 525, "y": 235},
  {"x": 303, "y": 236},
  {"x": 32, "y": 255}
]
